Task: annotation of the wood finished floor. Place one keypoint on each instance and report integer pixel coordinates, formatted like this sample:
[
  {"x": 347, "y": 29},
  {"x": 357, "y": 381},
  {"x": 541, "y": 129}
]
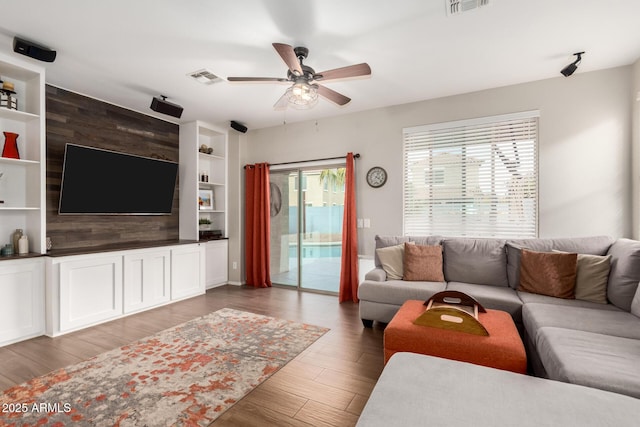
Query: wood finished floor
[{"x": 326, "y": 385}]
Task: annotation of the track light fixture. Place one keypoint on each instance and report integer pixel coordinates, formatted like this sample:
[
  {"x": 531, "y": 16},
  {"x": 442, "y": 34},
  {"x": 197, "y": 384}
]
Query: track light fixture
[{"x": 571, "y": 68}]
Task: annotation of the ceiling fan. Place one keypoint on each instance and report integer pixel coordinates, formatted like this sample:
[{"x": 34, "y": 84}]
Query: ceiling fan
[{"x": 305, "y": 89}]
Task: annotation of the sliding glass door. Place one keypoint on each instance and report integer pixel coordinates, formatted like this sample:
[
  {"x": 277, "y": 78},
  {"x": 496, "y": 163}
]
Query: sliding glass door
[{"x": 306, "y": 227}]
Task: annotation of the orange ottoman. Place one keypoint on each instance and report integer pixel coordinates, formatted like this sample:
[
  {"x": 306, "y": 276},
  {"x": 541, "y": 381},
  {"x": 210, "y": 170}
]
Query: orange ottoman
[{"x": 502, "y": 349}]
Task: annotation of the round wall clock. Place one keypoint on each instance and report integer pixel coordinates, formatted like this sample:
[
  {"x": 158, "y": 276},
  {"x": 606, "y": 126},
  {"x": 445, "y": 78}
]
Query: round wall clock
[{"x": 376, "y": 177}]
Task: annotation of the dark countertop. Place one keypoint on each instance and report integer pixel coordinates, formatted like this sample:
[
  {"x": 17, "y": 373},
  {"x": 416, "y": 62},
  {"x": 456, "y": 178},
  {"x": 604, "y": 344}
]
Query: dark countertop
[{"x": 118, "y": 247}]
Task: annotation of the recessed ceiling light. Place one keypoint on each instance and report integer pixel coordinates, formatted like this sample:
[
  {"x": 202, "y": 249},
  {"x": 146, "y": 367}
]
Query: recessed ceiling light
[{"x": 204, "y": 76}]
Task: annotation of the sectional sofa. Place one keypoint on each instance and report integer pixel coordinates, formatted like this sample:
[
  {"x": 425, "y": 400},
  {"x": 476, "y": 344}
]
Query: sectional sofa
[{"x": 589, "y": 336}]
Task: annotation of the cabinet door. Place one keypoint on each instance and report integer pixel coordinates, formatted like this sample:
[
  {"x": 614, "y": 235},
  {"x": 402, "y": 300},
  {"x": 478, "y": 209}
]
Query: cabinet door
[
  {"x": 187, "y": 271},
  {"x": 146, "y": 279},
  {"x": 22, "y": 302},
  {"x": 217, "y": 260},
  {"x": 90, "y": 290}
]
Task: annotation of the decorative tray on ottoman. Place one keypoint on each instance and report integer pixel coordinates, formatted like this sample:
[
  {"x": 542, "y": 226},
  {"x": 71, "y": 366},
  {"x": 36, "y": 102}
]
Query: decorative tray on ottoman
[{"x": 453, "y": 310}]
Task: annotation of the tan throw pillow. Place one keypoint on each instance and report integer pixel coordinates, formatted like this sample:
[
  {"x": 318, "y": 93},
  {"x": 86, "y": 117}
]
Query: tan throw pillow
[
  {"x": 548, "y": 273},
  {"x": 423, "y": 263},
  {"x": 391, "y": 259},
  {"x": 592, "y": 277}
]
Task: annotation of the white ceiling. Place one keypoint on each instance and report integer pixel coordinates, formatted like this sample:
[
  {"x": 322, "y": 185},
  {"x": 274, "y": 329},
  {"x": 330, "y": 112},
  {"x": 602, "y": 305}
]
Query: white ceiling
[{"x": 127, "y": 51}]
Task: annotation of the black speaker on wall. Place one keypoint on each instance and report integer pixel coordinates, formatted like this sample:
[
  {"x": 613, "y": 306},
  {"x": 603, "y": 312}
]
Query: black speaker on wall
[
  {"x": 239, "y": 127},
  {"x": 161, "y": 105},
  {"x": 33, "y": 50}
]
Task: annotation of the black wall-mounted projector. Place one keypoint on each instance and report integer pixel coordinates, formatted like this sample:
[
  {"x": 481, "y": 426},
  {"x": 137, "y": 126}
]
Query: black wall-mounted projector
[{"x": 161, "y": 105}]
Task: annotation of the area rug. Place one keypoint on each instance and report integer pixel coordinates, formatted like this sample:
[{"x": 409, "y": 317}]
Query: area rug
[{"x": 186, "y": 376}]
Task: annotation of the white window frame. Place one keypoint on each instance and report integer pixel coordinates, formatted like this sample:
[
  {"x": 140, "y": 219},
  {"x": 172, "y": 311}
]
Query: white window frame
[{"x": 443, "y": 138}]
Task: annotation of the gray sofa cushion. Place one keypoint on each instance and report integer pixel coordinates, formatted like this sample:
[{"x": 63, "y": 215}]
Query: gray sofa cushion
[
  {"x": 608, "y": 322},
  {"x": 481, "y": 261},
  {"x": 418, "y": 390},
  {"x": 625, "y": 272},
  {"x": 494, "y": 297},
  {"x": 398, "y": 291},
  {"x": 528, "y": 298},
  {"x": 593, "y": 360},
  {"x": 385, "y": 241},
  {"x": 597, "y": 245}
]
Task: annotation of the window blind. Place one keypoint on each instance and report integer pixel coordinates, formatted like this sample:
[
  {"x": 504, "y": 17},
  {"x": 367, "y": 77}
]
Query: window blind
[{"x": 476, "y": 178}]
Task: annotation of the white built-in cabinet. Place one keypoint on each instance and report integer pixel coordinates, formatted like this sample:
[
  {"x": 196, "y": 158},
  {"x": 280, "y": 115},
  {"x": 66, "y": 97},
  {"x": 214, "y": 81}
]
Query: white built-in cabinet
[
  {"x": 147, "y": 279},
  {"x": 22, "y": 299},
  {"x": 193, "y": 165},
  {"x": 217, "y": 261},
  {"x": 89, "y": 290},
  {"x": 84, "y": 290},
  {"x": 22, "y": 185},
  {"x": 187, "y": 271},
  {"x": 59, "y": 294}
]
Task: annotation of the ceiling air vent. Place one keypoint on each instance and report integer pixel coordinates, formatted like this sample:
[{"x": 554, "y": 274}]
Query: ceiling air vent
[
  {"x": 205, "y": 76},
  {"x": 455, "y": 7}
]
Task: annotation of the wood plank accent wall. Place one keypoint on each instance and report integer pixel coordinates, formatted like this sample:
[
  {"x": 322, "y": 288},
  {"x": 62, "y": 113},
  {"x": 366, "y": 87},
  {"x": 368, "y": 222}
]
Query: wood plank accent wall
[{"x": 74, "y": 118}]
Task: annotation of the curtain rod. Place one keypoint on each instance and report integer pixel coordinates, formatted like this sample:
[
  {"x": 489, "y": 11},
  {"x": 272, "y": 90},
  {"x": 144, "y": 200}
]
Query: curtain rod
[{"x": 355, "y": 156}]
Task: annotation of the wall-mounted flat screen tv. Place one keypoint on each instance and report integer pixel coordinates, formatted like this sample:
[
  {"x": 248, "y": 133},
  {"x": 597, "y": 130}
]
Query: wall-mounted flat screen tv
[{"x": 103, "y": 182}]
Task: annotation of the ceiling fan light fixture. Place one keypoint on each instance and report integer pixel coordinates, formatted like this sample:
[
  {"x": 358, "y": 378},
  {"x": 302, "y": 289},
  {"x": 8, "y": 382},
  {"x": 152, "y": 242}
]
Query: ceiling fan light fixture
[{"x": 302, "y": 95}]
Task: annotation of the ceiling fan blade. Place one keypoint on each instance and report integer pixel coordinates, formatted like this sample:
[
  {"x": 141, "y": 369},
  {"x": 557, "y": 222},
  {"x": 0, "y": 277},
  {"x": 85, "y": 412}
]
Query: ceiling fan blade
[
  {"x": 256, "y": 79},
  {"x": 332, "y": 95},
  {"x": 289, "y": 57},
  {"x": 344, "y": 72},
  {"x": 282, "y": 103}
]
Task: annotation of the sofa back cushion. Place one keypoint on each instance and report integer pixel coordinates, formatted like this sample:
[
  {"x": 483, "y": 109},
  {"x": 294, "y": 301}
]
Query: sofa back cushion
[
  {"x": 597, "y": 245},
  {"x": 548, "y": 273},
  {"x": 386, "y": 241},
  {"x": 392, "y": 259},
  {"x": 477, "y": 261},
  {"x": 423, "y": 263},
  {"x": 625, "y": 272}
]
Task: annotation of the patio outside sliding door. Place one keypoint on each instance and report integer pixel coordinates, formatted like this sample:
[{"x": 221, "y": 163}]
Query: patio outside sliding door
[{"x": 306, "y": 227}]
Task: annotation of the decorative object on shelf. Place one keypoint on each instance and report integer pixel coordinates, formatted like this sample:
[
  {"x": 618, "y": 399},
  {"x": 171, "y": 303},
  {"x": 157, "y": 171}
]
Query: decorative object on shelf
[
  {"x": 49, "y": 245},
  {"x": 7, "y": 250},
  {"x": 8, "y": 96},
  {"x": 205, "y": 149},
  {"x": 15, "y": 238},
  {"x": 210, "y": 234},
  {"x": 10, "y": 149},
  {"x": 204, "y": 176},
  {"x": 23, "y": 245},
  {"x": 205, "y": 200},
  {"x": 376, "y": 177},
  {"x": 204, "y": 223}
]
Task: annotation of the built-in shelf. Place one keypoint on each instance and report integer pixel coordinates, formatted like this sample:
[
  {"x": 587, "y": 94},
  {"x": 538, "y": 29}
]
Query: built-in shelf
[
  {"x": 22, "y": 185},
  {"x": 17, "y": 208},
  {"x": 10, "y": 161},
  {"x": 193, "y": 166},
  {"x": 212, "y": 156},
  {"x": 17, "y": 115}
]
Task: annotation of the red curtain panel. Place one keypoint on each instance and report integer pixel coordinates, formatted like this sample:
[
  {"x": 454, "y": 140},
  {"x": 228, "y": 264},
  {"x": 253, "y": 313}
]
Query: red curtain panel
[
  {"x": 349, "y": 267},
  {"x": 257, "y": 225}
]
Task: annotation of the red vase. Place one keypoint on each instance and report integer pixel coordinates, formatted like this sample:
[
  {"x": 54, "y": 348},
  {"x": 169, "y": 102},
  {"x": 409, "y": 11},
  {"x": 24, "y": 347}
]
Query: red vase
[{"x": 10, "y": 149}]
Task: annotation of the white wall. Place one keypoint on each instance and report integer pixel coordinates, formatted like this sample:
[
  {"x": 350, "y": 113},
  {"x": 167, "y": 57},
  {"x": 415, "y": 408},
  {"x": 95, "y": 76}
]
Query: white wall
[{"x": 585, "y": 150}]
